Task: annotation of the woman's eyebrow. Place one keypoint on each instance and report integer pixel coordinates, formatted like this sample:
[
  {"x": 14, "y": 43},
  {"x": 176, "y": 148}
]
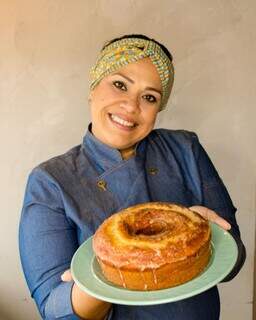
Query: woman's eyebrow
[{"x": 131, "y": 81}]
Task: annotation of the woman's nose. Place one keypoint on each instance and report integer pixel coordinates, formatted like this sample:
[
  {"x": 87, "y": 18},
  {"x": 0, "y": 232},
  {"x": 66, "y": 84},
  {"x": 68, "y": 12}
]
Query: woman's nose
[{"x": 131, "y": 104}]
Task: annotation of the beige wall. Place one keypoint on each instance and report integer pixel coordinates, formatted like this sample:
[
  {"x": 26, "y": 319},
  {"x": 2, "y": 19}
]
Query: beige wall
[{"x": 46, "y": 49}]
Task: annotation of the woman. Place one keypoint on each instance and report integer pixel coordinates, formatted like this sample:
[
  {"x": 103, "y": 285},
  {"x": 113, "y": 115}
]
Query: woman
[{"x": 121, "y": 162}]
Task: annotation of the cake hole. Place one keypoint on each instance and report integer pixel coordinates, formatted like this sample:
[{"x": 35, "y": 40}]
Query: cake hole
[{"x": 147, "y": 229}]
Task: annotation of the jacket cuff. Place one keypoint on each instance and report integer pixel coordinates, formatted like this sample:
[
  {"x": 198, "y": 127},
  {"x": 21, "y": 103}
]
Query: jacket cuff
[
  {"x": 110, "y": 314},
  {"x": 59, "y": 304}
]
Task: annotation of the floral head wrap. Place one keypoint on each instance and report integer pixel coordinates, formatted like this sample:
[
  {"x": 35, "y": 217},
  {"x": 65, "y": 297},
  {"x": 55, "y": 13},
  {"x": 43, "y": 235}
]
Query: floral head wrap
[{"x": 128, "y": 50}]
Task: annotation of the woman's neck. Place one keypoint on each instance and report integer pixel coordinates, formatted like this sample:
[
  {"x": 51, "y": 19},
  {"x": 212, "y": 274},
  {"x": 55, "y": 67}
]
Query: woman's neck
[
  {"x": 128, "y": 152},
  {"x": 125, "y": 153}
]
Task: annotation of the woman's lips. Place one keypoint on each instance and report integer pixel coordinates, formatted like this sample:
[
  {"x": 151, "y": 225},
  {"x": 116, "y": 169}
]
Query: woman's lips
[{"x": 121, "y": 122}]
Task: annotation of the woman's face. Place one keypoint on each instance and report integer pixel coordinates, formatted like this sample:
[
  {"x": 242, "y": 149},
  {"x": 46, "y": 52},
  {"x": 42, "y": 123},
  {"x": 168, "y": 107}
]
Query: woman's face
[{"x": 125, "y": 103}]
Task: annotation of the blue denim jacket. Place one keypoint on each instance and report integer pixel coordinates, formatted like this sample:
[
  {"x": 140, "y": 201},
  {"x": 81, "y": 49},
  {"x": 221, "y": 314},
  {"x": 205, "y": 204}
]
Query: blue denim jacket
[{"x": 64, "y": 204}]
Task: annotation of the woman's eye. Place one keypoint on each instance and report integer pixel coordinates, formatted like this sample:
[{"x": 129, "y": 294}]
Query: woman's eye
[
  {"x": 150, "y": 98},
  {"x": 120, "y": 85}
]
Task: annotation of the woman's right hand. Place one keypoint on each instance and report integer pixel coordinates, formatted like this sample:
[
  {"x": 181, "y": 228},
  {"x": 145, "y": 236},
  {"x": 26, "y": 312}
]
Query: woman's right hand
[
  {"x": 84, "y": 305},
  {"x": 66, "y": 276}
]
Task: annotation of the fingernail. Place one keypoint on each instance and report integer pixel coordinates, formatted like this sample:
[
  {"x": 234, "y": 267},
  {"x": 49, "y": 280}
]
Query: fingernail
[
  {"x": 228, "y": 226},
  {"x": 63, "y": 276}
]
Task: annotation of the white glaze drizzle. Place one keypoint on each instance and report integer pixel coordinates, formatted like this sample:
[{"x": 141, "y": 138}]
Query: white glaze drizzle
[
  {"x": 154, "y": 276},
  {"x": 144, "y": 280},
  {"x": 121, "y": 277}
]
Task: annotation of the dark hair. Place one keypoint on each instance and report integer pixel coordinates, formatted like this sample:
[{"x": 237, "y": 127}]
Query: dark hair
[{"x": 140, "y": 36}]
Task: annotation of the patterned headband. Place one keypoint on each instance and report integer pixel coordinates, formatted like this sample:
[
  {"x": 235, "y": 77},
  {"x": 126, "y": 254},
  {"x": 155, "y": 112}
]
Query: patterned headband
[{"x": 128, "y": 50}]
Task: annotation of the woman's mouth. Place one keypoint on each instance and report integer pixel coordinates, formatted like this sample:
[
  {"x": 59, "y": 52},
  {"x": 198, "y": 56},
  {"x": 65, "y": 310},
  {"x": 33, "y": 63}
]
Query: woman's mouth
[{"x": 121, "y": 123}]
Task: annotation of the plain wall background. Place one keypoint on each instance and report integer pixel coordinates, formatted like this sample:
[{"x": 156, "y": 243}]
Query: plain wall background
[{"x": 46, "y": 49}]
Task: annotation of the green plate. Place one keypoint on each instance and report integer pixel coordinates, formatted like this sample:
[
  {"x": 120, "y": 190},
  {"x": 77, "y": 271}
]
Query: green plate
[{"x": 88, "y": 276}]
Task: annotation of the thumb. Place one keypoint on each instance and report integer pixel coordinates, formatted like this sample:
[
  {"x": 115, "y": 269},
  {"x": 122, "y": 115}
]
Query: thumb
[
  {"x": 66, "y": 276},
  {"x": 211, "y": 216}
]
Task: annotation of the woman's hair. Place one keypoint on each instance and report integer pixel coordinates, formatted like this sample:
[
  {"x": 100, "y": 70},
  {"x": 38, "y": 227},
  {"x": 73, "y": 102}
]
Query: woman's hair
[{"x": 140, "y": 36}]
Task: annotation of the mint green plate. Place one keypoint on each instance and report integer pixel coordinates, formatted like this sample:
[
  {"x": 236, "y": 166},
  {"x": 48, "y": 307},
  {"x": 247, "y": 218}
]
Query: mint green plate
[{"x": 87, "y": 275}]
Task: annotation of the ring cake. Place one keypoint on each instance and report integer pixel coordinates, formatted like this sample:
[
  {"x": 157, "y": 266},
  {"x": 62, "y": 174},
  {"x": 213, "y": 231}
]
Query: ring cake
[{"x": 152, "y": 246}]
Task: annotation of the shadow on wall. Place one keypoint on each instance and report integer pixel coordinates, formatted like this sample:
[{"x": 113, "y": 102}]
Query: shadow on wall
[{"x": 5, "y": 313}]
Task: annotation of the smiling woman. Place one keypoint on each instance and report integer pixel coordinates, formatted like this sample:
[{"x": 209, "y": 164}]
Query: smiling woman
[
  {"x": 123, "y": 161},
  {"x": 124, "y": 105}
]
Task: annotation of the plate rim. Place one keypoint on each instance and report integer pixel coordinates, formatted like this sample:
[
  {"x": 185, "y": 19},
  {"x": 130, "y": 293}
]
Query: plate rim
[{"x": 140, "y": 298}]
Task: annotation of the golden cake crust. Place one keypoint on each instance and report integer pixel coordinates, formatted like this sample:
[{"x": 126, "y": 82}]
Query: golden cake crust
[{"x": 152, "y": 246}]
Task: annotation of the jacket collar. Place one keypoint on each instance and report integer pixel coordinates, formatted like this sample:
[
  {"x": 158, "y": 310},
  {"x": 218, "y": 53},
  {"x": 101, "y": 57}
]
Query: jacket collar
[{"x": 105, "y": 156}]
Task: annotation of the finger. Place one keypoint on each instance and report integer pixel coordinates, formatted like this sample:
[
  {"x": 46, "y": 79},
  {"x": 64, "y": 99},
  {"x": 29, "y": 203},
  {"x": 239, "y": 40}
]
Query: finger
[
  {"x": 66, "y": 276},
  {"x": 212, "y": 216},
  {"x": 219, "y": 221}
]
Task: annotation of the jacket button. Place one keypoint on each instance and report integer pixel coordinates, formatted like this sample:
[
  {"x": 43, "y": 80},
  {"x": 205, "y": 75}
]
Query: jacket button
[
  {"x": 102, "y": 185},
  {"x": 153, "y": 171}
]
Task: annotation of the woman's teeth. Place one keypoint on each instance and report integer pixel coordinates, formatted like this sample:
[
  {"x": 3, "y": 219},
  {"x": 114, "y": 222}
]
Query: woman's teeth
[{"x": 122, "y": 121}]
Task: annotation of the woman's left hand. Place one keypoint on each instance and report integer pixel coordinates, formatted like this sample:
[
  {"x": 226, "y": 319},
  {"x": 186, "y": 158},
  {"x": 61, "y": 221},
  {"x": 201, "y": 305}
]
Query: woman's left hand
[{"x": 212, "y": 216}]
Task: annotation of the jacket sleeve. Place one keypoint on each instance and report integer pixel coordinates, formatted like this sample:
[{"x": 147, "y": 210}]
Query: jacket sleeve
[
  {"x": 215, "y": 196},
  {"x": 47, "y": 242}
]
